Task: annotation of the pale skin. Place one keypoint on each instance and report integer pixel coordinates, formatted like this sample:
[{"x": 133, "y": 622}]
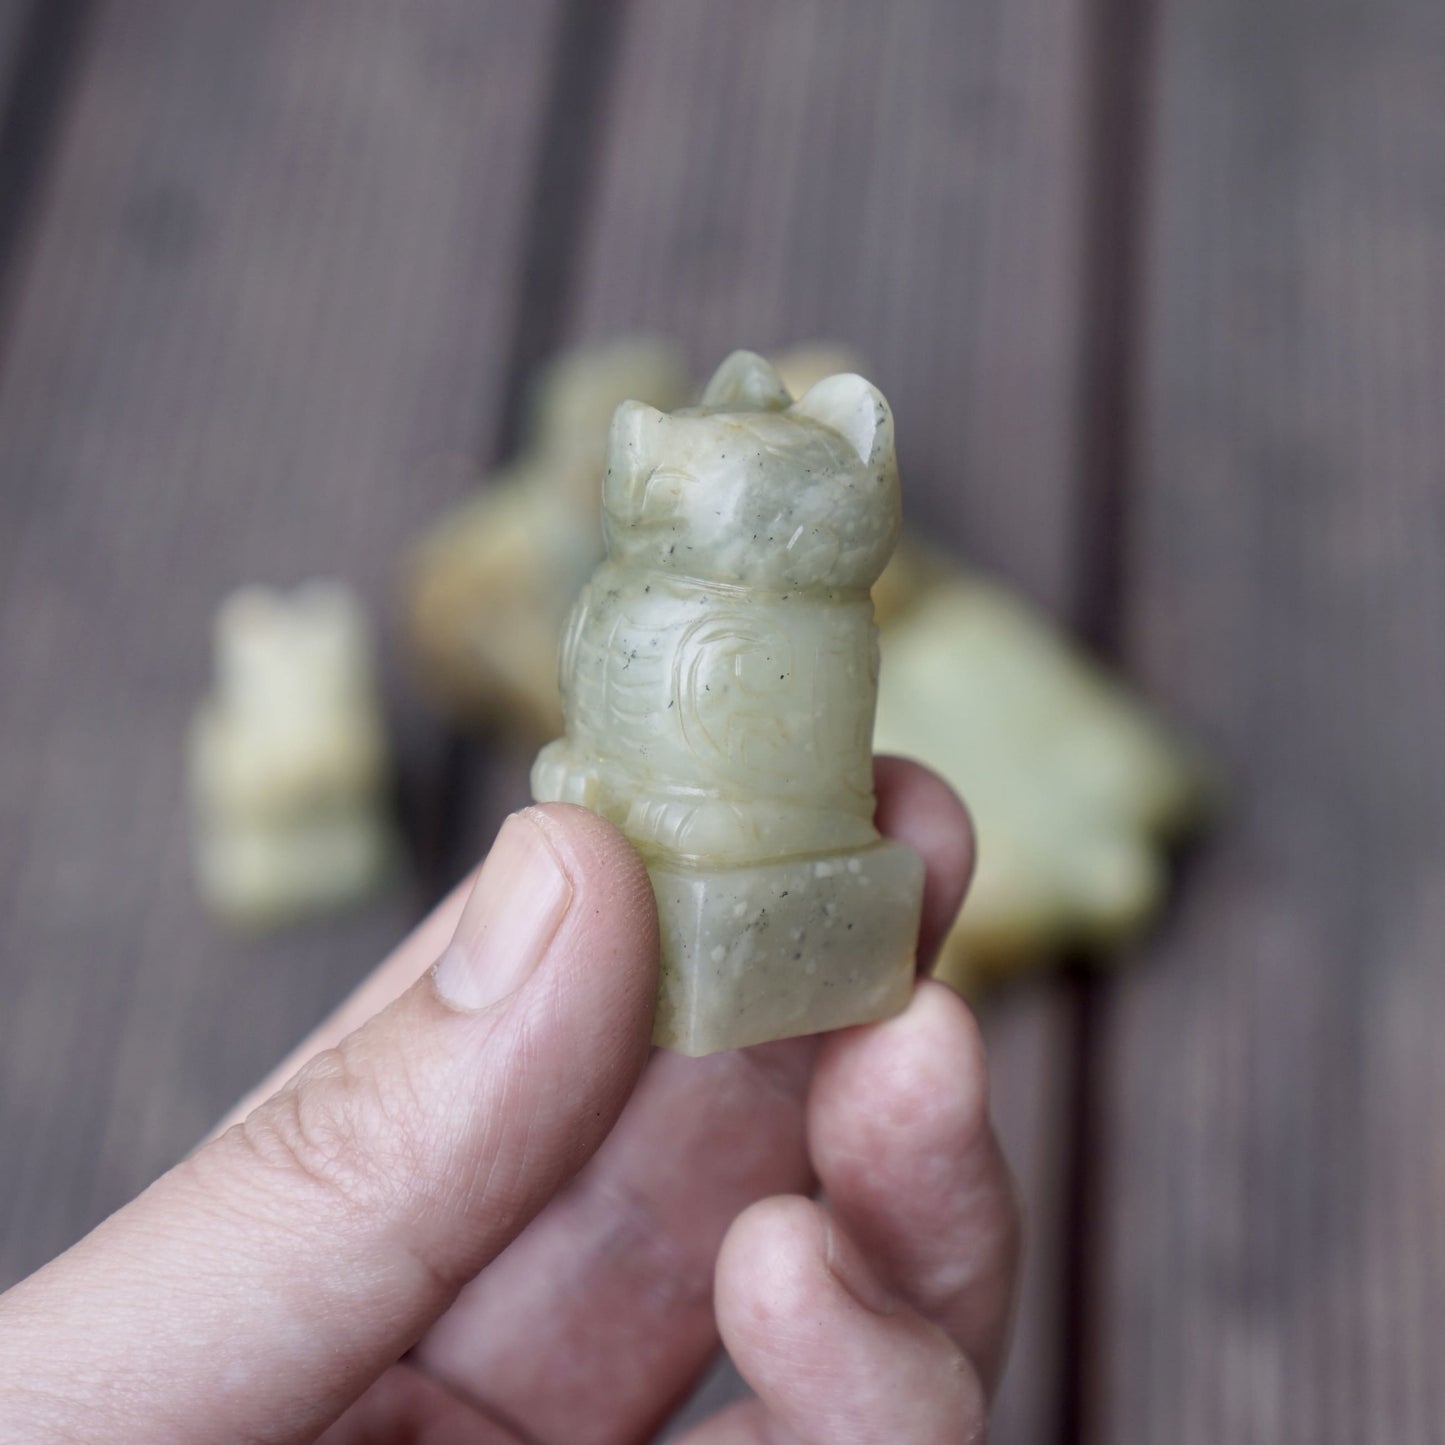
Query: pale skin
[{"x": 474, "y": 1207}]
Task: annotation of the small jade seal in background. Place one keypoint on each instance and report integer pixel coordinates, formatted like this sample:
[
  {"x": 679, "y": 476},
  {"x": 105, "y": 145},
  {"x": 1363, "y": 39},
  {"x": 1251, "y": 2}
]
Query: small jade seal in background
[
  {"x": 719, "y": 676},
  {"x": 289, "y": 768}
]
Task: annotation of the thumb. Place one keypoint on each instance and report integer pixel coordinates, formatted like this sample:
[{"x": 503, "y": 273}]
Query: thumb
[{"x": 261, "y": 1285}]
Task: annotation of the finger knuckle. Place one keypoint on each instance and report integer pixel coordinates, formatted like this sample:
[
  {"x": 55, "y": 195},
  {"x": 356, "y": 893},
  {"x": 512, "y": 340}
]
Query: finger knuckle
[{"x": 334, "y": 1129}]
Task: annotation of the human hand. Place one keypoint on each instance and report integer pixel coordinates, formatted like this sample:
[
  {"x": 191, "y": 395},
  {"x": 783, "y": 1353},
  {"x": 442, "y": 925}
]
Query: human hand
[{"x": 476, "y": 1165}]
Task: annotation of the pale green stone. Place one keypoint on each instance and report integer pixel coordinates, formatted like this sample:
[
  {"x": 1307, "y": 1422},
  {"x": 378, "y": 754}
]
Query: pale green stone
[
  {"x": 288, "y": 764},
  {"x": 719, "y": 676},
  {"x": 1074, "y": 787},
  {"x": 793, "y": 947}
]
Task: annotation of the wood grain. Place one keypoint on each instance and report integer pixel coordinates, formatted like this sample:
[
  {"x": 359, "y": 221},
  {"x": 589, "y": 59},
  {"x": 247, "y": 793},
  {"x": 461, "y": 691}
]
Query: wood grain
[
  {"x": 904, "y": 179},
  {"x": 1272, "y": 1265},
  {"x": 14, "y": 16},
  {"x": 263, "y": 315}
]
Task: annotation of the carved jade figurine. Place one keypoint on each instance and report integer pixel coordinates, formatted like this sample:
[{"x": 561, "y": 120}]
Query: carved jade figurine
[
  {"x": 719, "y": 674},
  {"x": 288, "y": 759}
]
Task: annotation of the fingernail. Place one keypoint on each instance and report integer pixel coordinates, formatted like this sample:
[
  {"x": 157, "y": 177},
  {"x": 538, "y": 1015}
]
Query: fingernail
[
  {"x": 846, "y": 1264},
  {"x": 520, "y": 899}
]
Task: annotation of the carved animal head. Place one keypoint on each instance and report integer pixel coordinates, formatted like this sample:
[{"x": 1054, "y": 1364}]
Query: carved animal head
[{"x": 752, "y": 487}]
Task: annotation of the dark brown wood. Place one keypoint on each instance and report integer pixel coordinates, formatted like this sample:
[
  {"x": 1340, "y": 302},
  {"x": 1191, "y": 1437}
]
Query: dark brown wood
[
  {"x": 262, "y": 320},
  {"x": 904, "y": 179},
  {"x": 40, "y": 41},
  {"x": 1273, "y": 1196},
  {"x": 14, "y": 16}
]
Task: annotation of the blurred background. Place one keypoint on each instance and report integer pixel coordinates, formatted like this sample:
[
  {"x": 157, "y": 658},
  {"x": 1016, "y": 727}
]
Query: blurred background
[{"x": 1157, "y": 292}]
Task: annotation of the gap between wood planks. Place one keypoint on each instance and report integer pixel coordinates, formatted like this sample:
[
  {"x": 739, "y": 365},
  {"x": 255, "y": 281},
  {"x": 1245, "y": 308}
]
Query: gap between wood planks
[
  {"x": 1117, "y": 94},
  {"x": 44, "y": 56}
]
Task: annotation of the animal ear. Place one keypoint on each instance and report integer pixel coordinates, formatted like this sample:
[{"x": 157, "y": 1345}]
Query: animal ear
[
  {"x": 635, "y": 427},
  {"x": 745, "y": 381},
  {"x": 632, "y": 449},
  {"x": 856, "y": 410}
]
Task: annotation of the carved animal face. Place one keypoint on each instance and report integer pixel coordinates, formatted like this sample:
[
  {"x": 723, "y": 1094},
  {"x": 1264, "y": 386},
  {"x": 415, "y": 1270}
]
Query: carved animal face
[{"x": 752, "y": 487}]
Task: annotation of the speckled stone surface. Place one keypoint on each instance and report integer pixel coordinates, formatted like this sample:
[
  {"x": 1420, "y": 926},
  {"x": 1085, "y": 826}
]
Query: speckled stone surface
[
  {"x": 794, "y": 947},
  {"x": 719, "y": 676}
]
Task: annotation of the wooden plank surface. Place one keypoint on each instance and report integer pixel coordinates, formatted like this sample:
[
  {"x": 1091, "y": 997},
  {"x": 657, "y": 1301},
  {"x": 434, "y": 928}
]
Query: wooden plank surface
[
  {"x": 1271, "y": 1266},
  {"x": 267, "y": 296},
  {"x": 14, "y": 16},
  {"x": 904, "y": 179}
]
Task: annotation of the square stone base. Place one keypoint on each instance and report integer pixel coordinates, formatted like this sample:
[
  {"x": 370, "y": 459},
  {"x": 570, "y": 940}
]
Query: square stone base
[{"x": 795, "y": 947}]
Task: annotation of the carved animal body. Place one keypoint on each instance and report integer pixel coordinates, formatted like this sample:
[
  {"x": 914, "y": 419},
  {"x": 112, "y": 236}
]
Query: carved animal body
[{"x": 720, "y": 728}]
